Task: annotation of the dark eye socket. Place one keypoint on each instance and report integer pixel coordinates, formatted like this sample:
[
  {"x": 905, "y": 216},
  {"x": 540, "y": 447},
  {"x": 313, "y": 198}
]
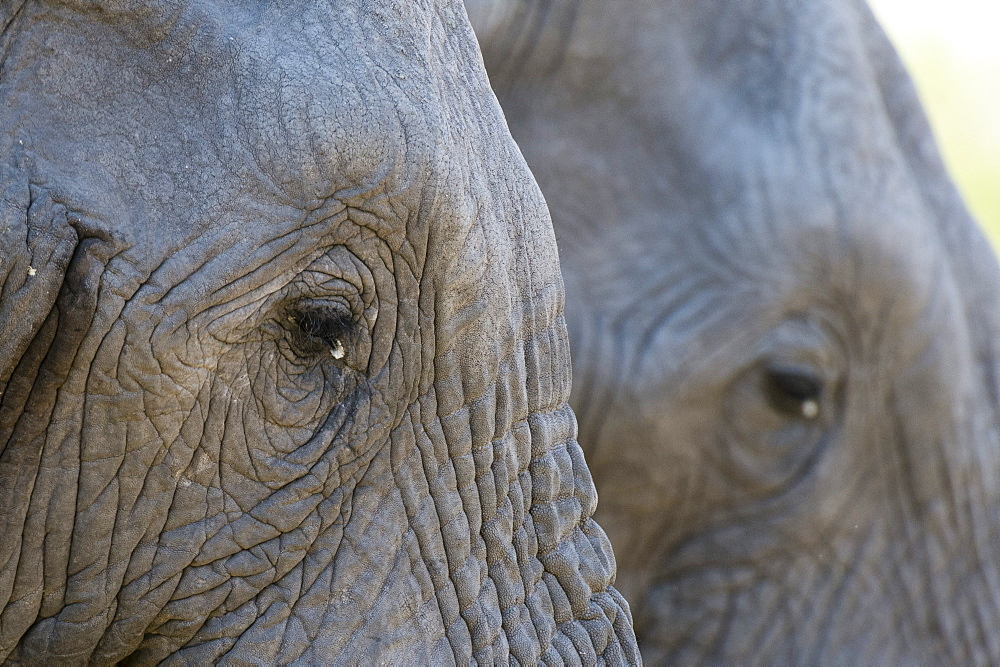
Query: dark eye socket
[
  {"x": 322, "y": 323},
  {"x": 323, "y": 326},
  {"x": 794, "y": 392}
]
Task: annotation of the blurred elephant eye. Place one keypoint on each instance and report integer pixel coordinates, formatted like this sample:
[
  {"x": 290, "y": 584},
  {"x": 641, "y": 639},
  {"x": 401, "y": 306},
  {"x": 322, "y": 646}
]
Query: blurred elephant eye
[{"x": 793, "y": 392}]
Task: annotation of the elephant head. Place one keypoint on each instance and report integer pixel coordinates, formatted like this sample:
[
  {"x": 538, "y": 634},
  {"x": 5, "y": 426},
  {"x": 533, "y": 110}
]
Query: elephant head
[
  {"x": 282, "y": 355},
  {"x": 784, "y": 326}
]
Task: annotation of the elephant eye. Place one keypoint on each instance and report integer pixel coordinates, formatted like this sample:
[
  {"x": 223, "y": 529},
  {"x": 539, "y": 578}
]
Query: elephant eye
[
  {"x": 322, "y": 327},
  {"x": 794, "y": 392}
]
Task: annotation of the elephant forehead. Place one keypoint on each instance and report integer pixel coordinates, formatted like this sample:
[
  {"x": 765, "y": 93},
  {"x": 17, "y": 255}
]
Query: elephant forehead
[{"x": 255, "y": 116}]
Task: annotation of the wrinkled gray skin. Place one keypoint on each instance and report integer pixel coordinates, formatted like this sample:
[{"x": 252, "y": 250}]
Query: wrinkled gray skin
[
  {"x": 284, "y": 369},
  {"x": 751, "y": 216}
]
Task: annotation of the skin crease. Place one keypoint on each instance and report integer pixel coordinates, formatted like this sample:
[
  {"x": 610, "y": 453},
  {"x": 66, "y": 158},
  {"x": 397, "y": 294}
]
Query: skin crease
[
  {"x": 283, "y": 366},
  {"x": 783, "y": 325}
]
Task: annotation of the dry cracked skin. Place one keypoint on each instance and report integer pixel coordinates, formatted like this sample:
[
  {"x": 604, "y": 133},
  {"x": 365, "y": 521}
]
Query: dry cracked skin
[{"x": 283, "y": 362}]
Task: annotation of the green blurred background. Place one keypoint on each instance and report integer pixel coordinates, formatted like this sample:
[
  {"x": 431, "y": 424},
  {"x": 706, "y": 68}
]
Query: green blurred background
[{"x": 952, "y": 50}]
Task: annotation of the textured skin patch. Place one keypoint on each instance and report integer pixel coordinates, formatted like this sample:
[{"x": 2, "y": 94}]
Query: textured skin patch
[{"x": 289, "y": 382}]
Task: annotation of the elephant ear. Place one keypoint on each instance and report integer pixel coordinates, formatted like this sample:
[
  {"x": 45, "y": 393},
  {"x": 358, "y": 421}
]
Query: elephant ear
[
  {"x": 488, "y": 17},
  {"x": 37, "y": 242},
  {"x": 521, "y": 37}
]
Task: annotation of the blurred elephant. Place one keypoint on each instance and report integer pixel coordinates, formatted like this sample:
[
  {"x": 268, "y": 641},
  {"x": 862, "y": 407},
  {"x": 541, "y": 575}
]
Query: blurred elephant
[
  {"x": 283, "y": 366},
  {"x": 784, "y": 325}
]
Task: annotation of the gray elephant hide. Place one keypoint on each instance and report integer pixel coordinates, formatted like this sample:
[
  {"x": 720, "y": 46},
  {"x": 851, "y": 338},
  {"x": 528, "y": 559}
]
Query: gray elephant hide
[{"x": 282, "y": 356}]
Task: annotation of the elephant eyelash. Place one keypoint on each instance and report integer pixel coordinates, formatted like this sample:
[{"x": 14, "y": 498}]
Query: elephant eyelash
[{"x": 325, "y": 327}]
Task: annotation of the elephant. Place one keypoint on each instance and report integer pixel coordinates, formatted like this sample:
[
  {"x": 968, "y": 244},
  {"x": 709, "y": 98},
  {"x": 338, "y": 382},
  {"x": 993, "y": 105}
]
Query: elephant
[
  {"x": 284, "y": 367},
  {"x": 784, "y": 326}
]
